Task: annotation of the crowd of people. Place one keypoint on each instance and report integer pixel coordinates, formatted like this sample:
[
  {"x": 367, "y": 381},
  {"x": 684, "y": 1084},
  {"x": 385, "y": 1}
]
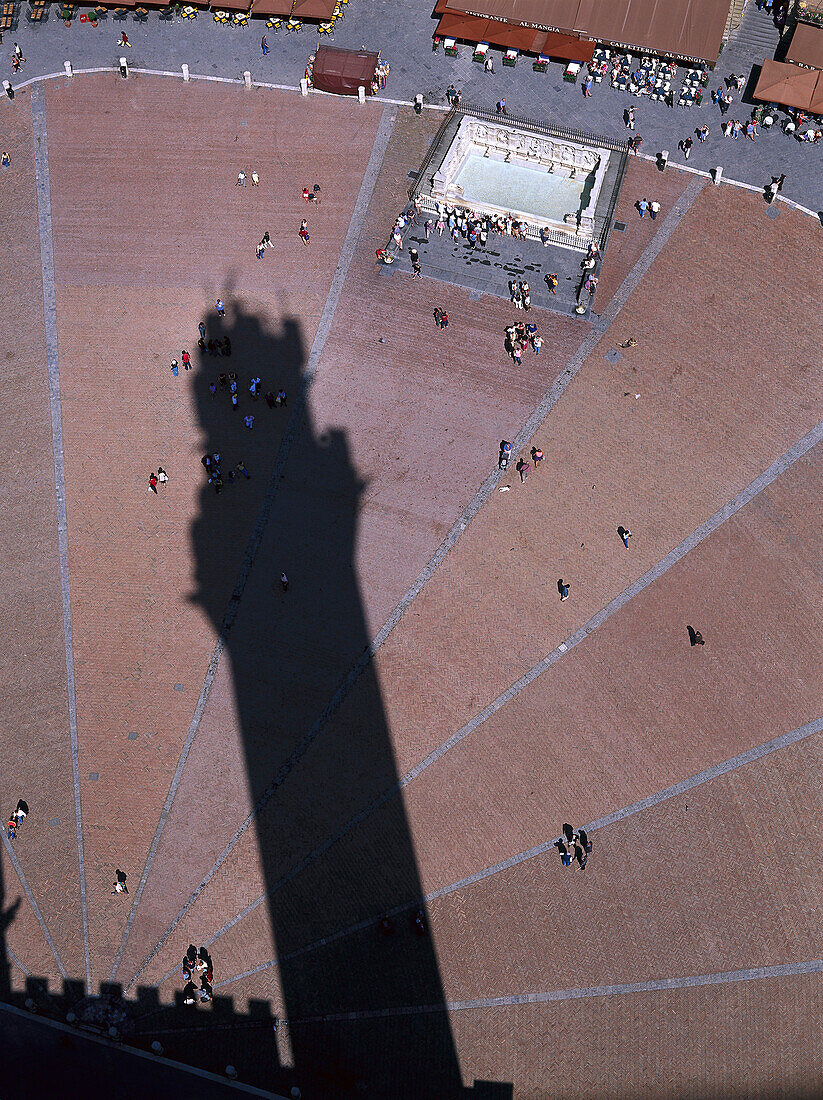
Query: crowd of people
[
  {"x": 16, "y": 819},
  {"x": 197, "y": 965},
  {"x": 574, "y": 847},
  {"x": 521, "y": 336},
  {"x": 473, "y": 227}
]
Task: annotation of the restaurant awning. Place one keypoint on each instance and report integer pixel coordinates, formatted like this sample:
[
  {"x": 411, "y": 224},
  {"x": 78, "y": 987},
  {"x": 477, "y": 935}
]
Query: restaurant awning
[
  {"x": 816, "y": 101},
  {"x": 684, "y": 28},
  {"x": 546, "y": 15},
  {"x": 343, "y": 71},
  {"x": 468, "y": 28},
  {"x": 806, "y": 47},
  {"x": 690, "y": 29},
  {"x": 788, "y": 85},
  {"x": 567, "y": 47},
  {"x": 312, "y": 9},
  {"x": 271, "y": 7}
]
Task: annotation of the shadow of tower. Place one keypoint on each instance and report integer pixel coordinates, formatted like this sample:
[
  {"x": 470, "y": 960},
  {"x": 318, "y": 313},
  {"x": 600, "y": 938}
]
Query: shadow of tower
[
  {"x": 7, "y": 914},
  {"x": 288, "y": 651}
]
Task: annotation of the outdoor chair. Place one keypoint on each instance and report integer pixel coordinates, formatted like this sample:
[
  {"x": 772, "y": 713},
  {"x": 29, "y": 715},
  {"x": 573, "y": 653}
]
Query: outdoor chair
[
  {"x": 38, "y": 12},
  {"x": 8, "y": 17}
]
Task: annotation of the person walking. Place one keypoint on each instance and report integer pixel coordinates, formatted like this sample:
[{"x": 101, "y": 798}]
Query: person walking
[
  {"x": 488, "y": 65},
  {"x": 153, "y": 483},
  {"x": 563, "y": 589},
  {"x": 643, "y": 206},
  {"x": 702, "y": 133},
  {"x": 537, "y": 456},
  {"x": 124, "y": 39},
  {"x": 220, "y": 308},
  {"x": 284, "y": 582},
  {"x": 241, "y": 179},
  {"x": 242, "y": 468},
  {"x": 686, "y": 146},
  {"x": 304, "y": 232},
  {"x": 264, "y": 45},
  {"x": 501, "y": 106},
  {"x": 551, "y": 282},
  {"x": 654, "y": 209},
  {"x": 120, "y": 882},
  {"x": 255, "y": 180},
  {"x": 630, "y": 122},
  {"x": 537, "y": 343},
  {"x": 175, "y": 368},
  {"x": 249, "y": 421},
  {"x": 587, "y": 86},
  {"x": 523, "y": 468},
  {"x": 625, "y": 536},
  {"x": 162, "y": 476},
  {"x": 186, "y": 361},
  {"x": 695, "y": 637},
  {"x": 565, "y": 858}
]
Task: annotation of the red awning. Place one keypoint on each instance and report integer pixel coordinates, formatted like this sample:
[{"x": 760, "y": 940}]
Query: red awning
[
  {"x": 684, "y": 28},
  {"x": 271, "y": 7},
  {"x": 343, "y": 71},
  {"x": 788, "y": 85},
  {"x": 567, "y": 48},
  {"x": 313, "y": 9},
  {"x": 806, "y": 46},
  {"x": 468, "y": 28}
]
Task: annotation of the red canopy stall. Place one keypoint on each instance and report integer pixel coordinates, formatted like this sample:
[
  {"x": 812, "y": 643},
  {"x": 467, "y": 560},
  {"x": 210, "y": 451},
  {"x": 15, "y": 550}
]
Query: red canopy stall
[{"x": 343, "y": 71}]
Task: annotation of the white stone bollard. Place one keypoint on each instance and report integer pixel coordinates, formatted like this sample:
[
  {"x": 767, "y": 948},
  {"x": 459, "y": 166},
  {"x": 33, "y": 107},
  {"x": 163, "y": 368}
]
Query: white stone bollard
[
  {"x": 186, "y": 76},
  {"x": 7, "y": 88},
  {"x": 124, "y": 67},
  {"x": 157, "y": 1047},
  {"x": 247, "y": 78},
  {"x": 361, "y": 94},
  {"x": 717, "y": 175},
  {"x": 68, "y": 68},
  {"x": 231, "y": 1071},
  {"x": 304, "y": 86}
]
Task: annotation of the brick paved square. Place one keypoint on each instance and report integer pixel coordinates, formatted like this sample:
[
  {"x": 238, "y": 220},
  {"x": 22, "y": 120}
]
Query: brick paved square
[{"x": 279, "y": 765}]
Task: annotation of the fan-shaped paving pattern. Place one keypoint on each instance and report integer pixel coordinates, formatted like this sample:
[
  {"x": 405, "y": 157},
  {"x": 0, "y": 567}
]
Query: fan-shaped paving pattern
[{"x": 401, "y": 426}]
